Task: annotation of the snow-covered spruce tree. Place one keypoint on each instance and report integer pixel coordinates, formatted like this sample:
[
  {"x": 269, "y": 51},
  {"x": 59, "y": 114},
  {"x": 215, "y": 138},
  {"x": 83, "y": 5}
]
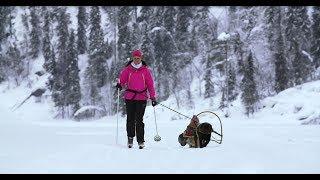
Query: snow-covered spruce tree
[
  {"x": 248, "y": 19},
  {"x": 135, "y": 32},
  {"x": 58, "y": 80},
  {"x": 184, "y": 16},
  {"x": 147, "y": 49},
  {"x": 157, "y": 17},
  {"x": 144, "y": 18},
  {"x": 315, "y": 47},
  {"x": 158, "y": 65},
  {"x": 4, "y": 23},
  {"x": 239, "y": 52},
  {"x": 297, "y": 34},
  {"x": 171, "y": 66},
  {"x": 248, "y": 85},
  {"x": 72, "y": 89},
  {"x": 124, "y": 49},
  {"x": 96, "y": 72},
  {"x": 193, "y": 45},
  {"x": 276, "y": 45},
  {"x": 13, "y": 55},
  {"x": 15, "y": 62},
  {"x": 169, "y": 19},
  {"x": 81, "y": 33},
  {"x": 301, "y": 64},
  {"x": 209, "y": 87},
  {"x": 229, "y": 92},
  {"x": 232, "y": 12},
  {"x": 35, "y": 33},
  {"x": 46, "y": 45},
  {"x": 231, "y": 84}
]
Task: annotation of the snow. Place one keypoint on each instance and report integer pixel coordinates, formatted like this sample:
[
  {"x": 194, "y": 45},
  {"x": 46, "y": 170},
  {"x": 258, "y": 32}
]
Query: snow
[
  {"x": 85, "y": 108},
  {"x": 224, "y": 36},
  {"x": 270, "y": 141},
  {"x": 155, "y": 29}
]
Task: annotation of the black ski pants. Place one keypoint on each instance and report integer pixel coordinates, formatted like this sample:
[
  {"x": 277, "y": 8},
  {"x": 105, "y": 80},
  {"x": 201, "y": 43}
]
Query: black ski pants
[{"x": 135, "y": 112}]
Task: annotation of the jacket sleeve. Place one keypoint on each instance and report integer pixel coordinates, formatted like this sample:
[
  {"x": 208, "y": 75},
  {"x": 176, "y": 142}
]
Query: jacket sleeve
[
  {"x": 150, "y": 84},
  {"x": 124, "y": 77}
]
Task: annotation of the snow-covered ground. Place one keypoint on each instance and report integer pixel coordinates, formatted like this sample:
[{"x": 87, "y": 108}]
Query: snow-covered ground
[{"x": 271, "y": 141}]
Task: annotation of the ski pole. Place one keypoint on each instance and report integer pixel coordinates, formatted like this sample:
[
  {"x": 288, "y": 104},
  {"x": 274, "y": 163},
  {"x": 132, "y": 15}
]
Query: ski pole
[
  {"x": 157, "y": 137},
  {"x": 117, "y": 116}
]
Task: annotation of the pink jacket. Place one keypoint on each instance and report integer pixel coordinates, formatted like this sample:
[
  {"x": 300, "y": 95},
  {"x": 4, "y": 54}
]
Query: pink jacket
[{"x": 138, "y": 80}]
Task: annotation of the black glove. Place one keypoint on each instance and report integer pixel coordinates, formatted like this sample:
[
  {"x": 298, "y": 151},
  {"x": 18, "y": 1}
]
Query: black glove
[
  {"x": 118, "y": 86},
  {"x": 154, "y": 102}
]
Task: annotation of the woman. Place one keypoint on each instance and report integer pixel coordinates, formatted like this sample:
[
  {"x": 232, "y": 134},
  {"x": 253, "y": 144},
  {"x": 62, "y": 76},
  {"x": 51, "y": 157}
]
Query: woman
[{"x": 137, "y": 79}]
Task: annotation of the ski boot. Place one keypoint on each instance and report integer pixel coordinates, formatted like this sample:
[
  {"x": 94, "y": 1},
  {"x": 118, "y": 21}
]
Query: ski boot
[
  {"x": 130, "y": 142},
  {"x": 141, "y": 145}
]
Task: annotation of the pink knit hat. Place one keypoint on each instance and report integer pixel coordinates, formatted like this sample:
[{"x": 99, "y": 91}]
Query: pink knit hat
[{"x": 137, "y": 53}]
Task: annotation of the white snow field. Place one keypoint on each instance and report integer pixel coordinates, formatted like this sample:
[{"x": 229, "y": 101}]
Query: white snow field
[{"x": 273, "y": 140}]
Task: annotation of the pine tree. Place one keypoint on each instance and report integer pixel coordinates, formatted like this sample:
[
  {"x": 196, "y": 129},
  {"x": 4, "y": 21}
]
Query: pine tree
[
  {"x": 124, "y": 49},
  {"x": 315, "y": 48},
  {"x": 209, "y": 88},
  {"x": 231, "y": 84},
  {"x": 184, "y": 16},
  {"x": 144, "y": 18},
  {"x": 72, "y": 90},
  {"x": 238, "y": 51},
  {"x": 97, "y": 61},
  {"x": 96, "y": 72},
  {"x": 169, "y": 19},
  {"x": 15, "y": 62},
  {"x": 158, "y": 66},
  {"x": 82, "y": 24},
  {"x": 147, "y": 49},
  {"x": 35, "y": 33},
  {"x": 300, "y": 66},
  {"x": 298, "y": 26},
  {"x": 249, "y": 89},
  {"x": 46, "y": 46},
  {"x": 297, "y": 33},
  {"x": 276, "y": 46},
  {"x": 58, "y": 79},
  {"x": 4, "y": 22}
]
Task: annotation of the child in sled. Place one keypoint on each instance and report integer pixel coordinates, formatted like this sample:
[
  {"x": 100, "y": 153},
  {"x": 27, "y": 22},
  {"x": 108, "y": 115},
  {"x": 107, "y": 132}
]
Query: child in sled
[{"x": 197, "y": 135}]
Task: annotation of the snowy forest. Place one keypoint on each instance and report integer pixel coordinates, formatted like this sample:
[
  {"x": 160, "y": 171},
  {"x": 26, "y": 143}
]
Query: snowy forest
[{"x": 246, "y": 52}]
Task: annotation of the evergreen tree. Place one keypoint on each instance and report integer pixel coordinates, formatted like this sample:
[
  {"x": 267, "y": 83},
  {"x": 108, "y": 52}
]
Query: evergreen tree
[
  {"x": 209, "y": 88},
  {"x": 124, "y": 49},
  {"x": 96, "y": 72},
  {"x": 97, "y": 61},
  {"x": 184, "y": 16},
  {"x": 297, "y": 34},
  {"x": 144, "y": 18},
  {"x": 276, "y": 46},
  {"x": 169, "y": 19},
  {"x": 231, "y": 84},
  {"x": 4, "y": 22},
  {"x": 300, "y": 65},
  {"x": 315, "y": 48},
  {"x": 82, "y": 24},
  {"x": 15, "y": 62},
  {"x": 148, "y": 50},
  {"x": 61, "y": 67},
  {"x": 238, "y": 51},
  {"x": 35, "y": 33},
  {"x": 159, "y": 68},
  {"x": 249, "y": 89},
  {"x": 46, "y": 46},
  {"x": 72, "y": 90}
]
